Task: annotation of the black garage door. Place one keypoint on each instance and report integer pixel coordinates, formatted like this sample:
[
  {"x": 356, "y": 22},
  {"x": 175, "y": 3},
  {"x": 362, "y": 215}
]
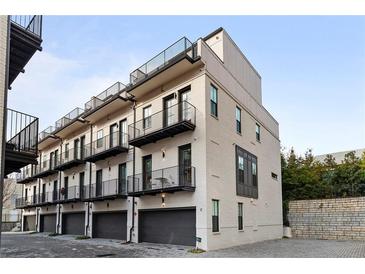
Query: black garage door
[
  {"x": 29, "y": 223},
  {"x": 73, "y": 223},
  {"x": 110, "y": 225},
  {"x": 48, "y": 223},
  {"x": 168, "y": 226}
]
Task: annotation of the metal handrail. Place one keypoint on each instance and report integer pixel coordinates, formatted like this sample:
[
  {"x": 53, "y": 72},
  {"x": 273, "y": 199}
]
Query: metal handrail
[
  {"x": 103, "y": 96},
  {"x": 183, "y": 111},
  {"x": 70, "y": 155},
  {"x": 31, "y": 23},
  {"x": 69, "y": 117},
  {"x": 107, "y": 142},
  {"x": 106, "y": 188},
  {"x": 48, "y": 131}
]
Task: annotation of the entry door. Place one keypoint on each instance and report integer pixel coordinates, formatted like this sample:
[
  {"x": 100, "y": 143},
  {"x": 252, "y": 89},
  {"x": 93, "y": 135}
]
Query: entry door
[
  {"x": 123, "y": 132},
  {"x": 99, "y": 183},
  {"x": 66, "y": 188},
  {"x": 185, "y": 111},
  {"x": 44, "y": 192},
  {"x": 34, "y": 194},
  {"x": 81, "y": 184},
  {"x": 55, "y": 158},
  {"x": 77, "y": 149},
  {"x": 113, "y": 137},
  {"x": 82, "y": 147},
  {"x": 185, "y": 165},
  {"x": 55, "y": 190},
  {"x": 147, "y": 172},
  {"x": 122, "y": 178},
  {"x": 51, "y": 160},
  {"x": 168, "y": 113}
]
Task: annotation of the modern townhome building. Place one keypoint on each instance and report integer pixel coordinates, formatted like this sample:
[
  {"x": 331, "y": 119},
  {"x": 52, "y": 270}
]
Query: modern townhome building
[{"x": 183, "y": 154}]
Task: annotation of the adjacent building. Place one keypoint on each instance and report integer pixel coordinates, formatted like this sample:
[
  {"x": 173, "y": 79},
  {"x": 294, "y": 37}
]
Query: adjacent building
[{"x": 185, "y": 153}]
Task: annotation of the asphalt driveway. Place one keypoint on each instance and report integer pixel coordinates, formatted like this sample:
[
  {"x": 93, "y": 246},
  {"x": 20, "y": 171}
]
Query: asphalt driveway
[{"x": 41, "y": 245}]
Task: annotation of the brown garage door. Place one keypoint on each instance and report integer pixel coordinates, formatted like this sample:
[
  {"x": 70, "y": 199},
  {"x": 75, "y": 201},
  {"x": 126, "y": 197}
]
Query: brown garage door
[
  {"x": 48, "y": 223},
  {"x": 29, "y": 223},
  {"x": 110, "y": 225}
]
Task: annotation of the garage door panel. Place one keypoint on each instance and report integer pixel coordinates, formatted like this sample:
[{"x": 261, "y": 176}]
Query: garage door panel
[
  {"x": 110, "y": 225},
  {"x": 168, "y": 226},
  {"x": 48, "y": 223},
  {"x": 29, "y": 223},
  {"x": 73, "y": 223}
]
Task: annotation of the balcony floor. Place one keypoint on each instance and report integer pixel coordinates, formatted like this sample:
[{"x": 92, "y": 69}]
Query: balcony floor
[
  {"x": 106, "y": 153},
  {"x": 164, "y": 190},
  {"x": 45, "y": 173},
  {"x": 69, "y": 164},
  {"x": 14, "y": 160},
  {"x": 104, "y": 198},
  {"x": 163, "y": 133}
]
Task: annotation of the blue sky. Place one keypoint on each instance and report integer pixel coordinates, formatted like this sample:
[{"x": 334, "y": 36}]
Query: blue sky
[{"x": 312, "y": 68}]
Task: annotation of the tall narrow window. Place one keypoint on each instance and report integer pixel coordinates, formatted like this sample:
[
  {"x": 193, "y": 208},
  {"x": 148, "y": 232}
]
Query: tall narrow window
[
  {"x": 238, "y": 120},
  {"x": 241, "y": 170},
  {"x": 66, "y": 152},
  {"x": 258, "y": 132},
  {"x": 254, "y": 173},
  {"x": 213, "y": 101},
  {"x": 147, "y": 120},
  {"x": 99, "y": 138},
  {"x": 215, "y": 216},
  {"x": 240, "y": 216}
]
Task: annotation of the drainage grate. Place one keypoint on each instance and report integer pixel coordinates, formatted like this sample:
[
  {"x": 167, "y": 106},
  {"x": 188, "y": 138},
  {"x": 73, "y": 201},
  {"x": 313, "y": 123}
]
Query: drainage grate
[{"x": 105, "y": 255}]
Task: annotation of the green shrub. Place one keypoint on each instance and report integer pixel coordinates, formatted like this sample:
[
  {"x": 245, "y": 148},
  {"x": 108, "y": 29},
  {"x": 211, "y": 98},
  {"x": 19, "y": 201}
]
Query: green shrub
[{"x": 82, "y": 237}]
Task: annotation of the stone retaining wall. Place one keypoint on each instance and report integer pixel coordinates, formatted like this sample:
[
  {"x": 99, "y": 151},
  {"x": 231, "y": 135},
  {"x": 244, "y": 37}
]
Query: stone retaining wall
[{"x": 330, "y": 219}]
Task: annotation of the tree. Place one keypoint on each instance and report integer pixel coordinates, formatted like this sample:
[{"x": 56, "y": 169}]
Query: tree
[{"x": 8, "y": 190}]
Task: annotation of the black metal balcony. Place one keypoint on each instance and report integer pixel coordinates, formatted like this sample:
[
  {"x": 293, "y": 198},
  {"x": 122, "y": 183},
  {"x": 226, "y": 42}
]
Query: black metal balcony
[
  {"x": 22, "y": 142},
  {"x": 166, "y": 180},
  {"x": 46, "y": 168},
  {"x": 25, "y": 40},
  {"x": 166, "y": 123},
  {"x": 105, "y": 147},
  {"x": 183, "y": 48},
  {"x": 26, "y": 174},
  {"x": 24, "y": 202},
  {"x": 105, "y": 190},
  {"x": 48, "y": 198},
  {"x": 69, "y": 194},
  {"x": 70, "y": 158}
]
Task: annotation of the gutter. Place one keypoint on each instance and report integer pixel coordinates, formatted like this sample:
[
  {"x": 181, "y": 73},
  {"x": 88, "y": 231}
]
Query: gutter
[{"x": 89, "y": 194}]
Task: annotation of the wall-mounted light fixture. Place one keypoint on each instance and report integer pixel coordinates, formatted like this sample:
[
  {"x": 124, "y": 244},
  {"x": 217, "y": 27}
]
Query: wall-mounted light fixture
[{"x": 163, "y": 204}]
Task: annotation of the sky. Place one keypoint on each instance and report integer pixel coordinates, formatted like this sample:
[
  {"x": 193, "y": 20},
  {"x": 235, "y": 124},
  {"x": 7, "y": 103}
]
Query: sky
[{"x": 312, "y": 68}]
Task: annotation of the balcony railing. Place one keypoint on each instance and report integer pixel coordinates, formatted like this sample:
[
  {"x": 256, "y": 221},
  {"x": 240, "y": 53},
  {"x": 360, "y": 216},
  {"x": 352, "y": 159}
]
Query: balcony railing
[
  {"x": 107, "y": 146},
  {"x": 45, "y": 133},
  {"x": 182, "y": 47},
  {"x": 31, "y": 23},
  {"x": 168, "y": 122},
  {"x": 105, "y": 189},
  {"x": 104, "y": 96},
  {"x": 48, "y": 197},
  {"x": 70, "y": 158},
  {"x": 22, "y": 132},
  {"x": 68, "y": 118},
  {"x": 170, "y": 179},
  {"x": 27, "y": 201},
  {"x": 26, "y": 174},
  {"x": 69, "y": 194},
  {"x": 46, "y": 168}
]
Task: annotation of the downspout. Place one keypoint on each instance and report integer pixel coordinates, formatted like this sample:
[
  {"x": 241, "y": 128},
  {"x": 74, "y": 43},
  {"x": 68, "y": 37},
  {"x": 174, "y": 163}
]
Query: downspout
[
  {"x": 59, "y": 194},
  {"x": 90, "y": 173},
  {"x": 134, "y": 168}
]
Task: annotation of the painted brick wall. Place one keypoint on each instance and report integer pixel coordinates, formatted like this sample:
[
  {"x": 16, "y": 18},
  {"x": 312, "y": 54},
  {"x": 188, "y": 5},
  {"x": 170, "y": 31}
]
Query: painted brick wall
[{"x": 330, "y": 219}]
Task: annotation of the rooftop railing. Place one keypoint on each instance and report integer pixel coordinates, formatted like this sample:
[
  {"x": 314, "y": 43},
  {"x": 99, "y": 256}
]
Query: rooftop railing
[
  {"x": 104, "y": 96},
  {"x": 45, "y": 133},
  {"x": 22, "y": 132},
  {"x": 182, "y": 47},
  {"x": 31, "y": 23},
  {"x": 73, "y": 114}
]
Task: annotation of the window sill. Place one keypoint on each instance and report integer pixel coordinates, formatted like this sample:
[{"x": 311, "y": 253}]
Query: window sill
[
  {"x": 215, "y": 117},
  {"x": 241, "y": 230},
  {"x": 239, "y": 133},
  {"x": 216, "y": 233},
  {"x": 258, "y": 141}
]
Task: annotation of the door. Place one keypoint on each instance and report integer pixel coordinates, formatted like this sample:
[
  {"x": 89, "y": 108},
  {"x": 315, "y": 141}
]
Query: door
[
  {"x": 113, "y": 136},
  {"x": 76, "y": 149},
  {"x": 168, "y": 226},
  {"x": 82, "y": 147},
  {"x": 48, "y": 223},
  {"x": 99, "y": 183},
  {"x": 169, "y": 116},
  {"x": 35, "y": 194},
  {"x": 43, "y": 193},
  {"x": 147, "y": 172},
  {"x": 73, "y": 223},
  {"x": 185, "y": 111},
  {"x": 29, "y": 223},
  {"x": 55, "y": 158},
  {"x": 185, "y": 172},
  {"x": 123, "y": 133},
  {"x": 65, "y": 187},
  {"x": 81, "y": 184},
  {"x": 122, "y": 178},
  {"x": 51, "y": 161},
  {"x": 26, "y": 194},
  {"x": 55, "y": 190},
  {"x": 110, "y": 225}
]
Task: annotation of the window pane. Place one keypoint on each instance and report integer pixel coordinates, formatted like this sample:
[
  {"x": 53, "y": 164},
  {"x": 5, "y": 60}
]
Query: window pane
[
  {"x": 238, "y": 114},
  {"x": 240, "y": 163}
]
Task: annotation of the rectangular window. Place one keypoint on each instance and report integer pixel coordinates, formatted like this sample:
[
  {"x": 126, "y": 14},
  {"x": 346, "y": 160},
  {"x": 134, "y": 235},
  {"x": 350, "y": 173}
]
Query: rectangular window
[
  {"x": 213, "y": 101},
  {"x": 246, "y": 173},
  {"x": 215, "y": 216},
  {"x": 241, "y": 170},
  {"x": 66, "y": 151},
  {"x": 240, "y": 216},
  {"x": 238, "y": 120},
  {"x": 99, "y": 138},
  {"x": 147, "y": 119},
  {"x": 274, "y": 176},
  {"x": 254, "y": 173},
  {"x": 258, "y": 132}
]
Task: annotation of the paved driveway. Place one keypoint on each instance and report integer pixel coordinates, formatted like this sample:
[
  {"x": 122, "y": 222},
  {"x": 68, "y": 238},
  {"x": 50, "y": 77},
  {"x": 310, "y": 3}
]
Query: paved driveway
[{"x": 40, "y": 245}]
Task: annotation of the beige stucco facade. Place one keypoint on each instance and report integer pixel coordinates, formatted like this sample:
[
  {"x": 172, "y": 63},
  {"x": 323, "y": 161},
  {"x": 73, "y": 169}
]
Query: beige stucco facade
[{"x": 213, "y": 143}]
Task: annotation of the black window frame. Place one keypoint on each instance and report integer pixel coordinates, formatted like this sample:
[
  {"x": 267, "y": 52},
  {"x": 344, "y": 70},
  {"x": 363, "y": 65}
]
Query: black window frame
[
  {"x": 147, "y": 118},
  {"x": 258, "y": 132},
  {"x": 215, "y": 216},
  {"x": 213, "y": 104},
  {"x": 238, "y": 121}
]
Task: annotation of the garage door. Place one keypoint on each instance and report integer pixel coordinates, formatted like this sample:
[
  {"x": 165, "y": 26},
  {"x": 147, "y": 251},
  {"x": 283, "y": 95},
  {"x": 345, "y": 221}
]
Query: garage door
[
  {"x": 170, "y": 226},
  {"x": 48, "y": 223},
  {"x": 110, "y": 225},
  {"x": 73, "y": 223},
  {"x": 29, "y": 223}
]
